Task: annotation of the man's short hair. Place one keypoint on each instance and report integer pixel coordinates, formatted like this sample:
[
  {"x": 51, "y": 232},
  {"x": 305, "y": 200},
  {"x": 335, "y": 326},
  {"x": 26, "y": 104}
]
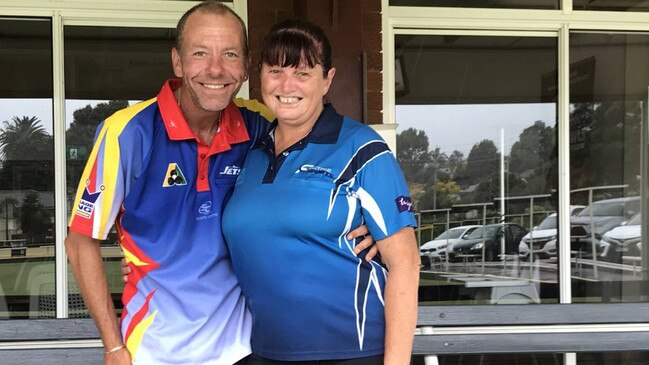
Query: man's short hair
[{"x": 211, "y": 7}]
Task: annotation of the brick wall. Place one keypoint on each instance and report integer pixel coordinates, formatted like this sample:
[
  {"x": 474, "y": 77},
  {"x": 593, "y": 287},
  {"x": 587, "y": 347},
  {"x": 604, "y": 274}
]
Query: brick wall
[{"x": 353, "y": 27}]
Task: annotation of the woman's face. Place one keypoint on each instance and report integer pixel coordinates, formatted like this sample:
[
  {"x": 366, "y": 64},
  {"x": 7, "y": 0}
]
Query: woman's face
[{"x": 294, "y": 94}]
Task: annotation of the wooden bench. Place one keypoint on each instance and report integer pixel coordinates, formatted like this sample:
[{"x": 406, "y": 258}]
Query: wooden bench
[
  {"x": 50, "y": 341},
  {"x": 546, "y": 328},
  {"x": 442, "y": 330}
]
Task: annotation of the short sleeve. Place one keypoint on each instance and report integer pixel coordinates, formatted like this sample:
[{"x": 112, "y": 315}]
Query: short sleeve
[
  {"x": 109, "y": 170},
  {"x": 382, "y": 190}
]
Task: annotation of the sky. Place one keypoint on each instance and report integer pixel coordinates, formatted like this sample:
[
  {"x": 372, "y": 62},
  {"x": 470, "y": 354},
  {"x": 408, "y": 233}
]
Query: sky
[
  {"x": 42, "y": 109},
  {"x": 460, "y": 126}
]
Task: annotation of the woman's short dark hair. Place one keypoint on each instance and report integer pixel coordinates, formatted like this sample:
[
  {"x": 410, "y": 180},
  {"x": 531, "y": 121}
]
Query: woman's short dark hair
[{"x": 292, "y": 42}]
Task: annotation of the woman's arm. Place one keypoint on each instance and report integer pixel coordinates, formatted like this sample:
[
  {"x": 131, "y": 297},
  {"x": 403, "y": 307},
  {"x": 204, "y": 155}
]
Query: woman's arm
[{"x": 399, "y": 253}]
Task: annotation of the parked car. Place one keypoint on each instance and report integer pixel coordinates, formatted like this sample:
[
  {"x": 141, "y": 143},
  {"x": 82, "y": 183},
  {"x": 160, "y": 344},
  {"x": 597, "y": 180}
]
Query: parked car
[
  {"x": 625, "y": 240},
  {"x": 488, "y": 237},
  {"x": 606, "y": 215},
  {"x": 544, "y": 236},
  {"x": 437, "y": 247}
]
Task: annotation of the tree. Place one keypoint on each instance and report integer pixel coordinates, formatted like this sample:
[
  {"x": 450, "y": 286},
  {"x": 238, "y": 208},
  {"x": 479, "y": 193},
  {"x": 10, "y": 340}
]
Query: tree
[
  {"x": 456, "y": 163},
  {"x": 82, "y": 130},
  {"x": 28, "y": 152},
  {"x": 24, "y": 138},
  {"x": 440, "y": 195},
  {"x": 81, "y": 134},
  {"x": 534, "y": 148},
  {"x": 413, "y": 155},
  {"x": 34, "y": 218},
  {"x": 483, "y": 161}
]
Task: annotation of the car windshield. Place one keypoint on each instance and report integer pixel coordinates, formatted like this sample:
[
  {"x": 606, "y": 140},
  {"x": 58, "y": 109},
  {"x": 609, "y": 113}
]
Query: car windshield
[
  {"x": 611, "y": 209},
  {"x": 451, "y": 233},
  {"x": 635, "y": 221},
  {"x": 488, "y": 231},
  {"x": 548, "y": 223}
]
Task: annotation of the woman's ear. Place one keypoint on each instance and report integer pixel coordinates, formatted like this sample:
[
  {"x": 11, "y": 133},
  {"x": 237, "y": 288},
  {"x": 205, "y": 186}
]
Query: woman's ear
[{"x": 329, "y": 79}]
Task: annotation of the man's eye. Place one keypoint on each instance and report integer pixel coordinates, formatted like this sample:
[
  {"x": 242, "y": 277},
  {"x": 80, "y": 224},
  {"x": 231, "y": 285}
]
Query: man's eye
[
  {"x": 231, "y": 54},
  {"x": 199, "y": 53}
]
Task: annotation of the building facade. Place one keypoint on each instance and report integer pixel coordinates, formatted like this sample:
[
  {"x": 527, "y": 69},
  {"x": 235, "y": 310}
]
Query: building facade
[{"x": 522, "y": 125}]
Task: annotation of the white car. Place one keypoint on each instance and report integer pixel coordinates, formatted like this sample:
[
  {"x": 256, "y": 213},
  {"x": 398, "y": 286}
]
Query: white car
[
  {"x": 438, "y": 246},
  {"x": 544, "y": 236},
  {"x": 624, "y": 240}
]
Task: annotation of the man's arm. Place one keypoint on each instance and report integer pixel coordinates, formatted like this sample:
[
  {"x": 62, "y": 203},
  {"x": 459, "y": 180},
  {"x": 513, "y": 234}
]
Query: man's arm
[
  {"x": 399, "y": 253},
  {"x": 84, "y": 254}
]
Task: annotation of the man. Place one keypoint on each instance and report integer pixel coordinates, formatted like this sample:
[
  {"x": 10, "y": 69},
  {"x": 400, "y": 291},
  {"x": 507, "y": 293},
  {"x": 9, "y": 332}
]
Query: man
[{"x": 161, "y": 171}]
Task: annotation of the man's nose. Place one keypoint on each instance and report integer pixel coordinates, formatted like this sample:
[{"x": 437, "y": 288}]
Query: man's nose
[{"x": 215, "y": 66}]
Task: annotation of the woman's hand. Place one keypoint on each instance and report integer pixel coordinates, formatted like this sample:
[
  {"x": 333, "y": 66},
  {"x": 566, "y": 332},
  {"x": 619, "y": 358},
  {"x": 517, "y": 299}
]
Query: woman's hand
[
  {"x": 366, "y": 243},
  {"x": 126, "y": 271}
]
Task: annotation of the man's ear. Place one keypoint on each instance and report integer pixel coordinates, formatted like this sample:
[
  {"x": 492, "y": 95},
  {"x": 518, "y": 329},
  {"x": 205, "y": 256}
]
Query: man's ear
[{"x": 176, "y": 62}]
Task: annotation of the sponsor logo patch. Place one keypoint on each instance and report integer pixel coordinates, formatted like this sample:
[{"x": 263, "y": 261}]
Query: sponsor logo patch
[
  {"x": 174, "y": 176},
  {"x": 233, "y": 170},
  {"x": 205, "y": 211},
  {"x": 313, "y": 169},
  {"x": 404, "y": 204},
  {"x": 205, "y": 208},
  {"x": 87, "y": 202}
]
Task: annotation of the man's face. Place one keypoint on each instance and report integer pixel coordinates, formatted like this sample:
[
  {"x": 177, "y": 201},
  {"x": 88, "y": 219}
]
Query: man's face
[{"x": 211, "y": 61}]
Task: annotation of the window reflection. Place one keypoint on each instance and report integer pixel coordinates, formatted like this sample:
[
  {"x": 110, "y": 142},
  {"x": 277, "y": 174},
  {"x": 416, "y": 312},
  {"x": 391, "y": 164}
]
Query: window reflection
[
  {"x": 618, "y": 358},
  {"x": 477, "y": 141},
  {"x": 500, "y": 359},
  {"x": 607, "y": 173},
  {"x": 107, "y": 69},
  {"x": 611, "y": 5},
  {"x": 512, "y": 4},
  {"x": 26, "y": 169}
]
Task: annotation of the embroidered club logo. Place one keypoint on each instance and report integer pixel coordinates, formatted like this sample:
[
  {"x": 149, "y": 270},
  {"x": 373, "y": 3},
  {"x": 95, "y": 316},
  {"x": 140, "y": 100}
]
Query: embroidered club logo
[
  {"x": 404, "y": 204},
  {"x": 87, "y": 202},
  {"x": 313, "y": 169},
  {"x": 174, "y": 176}
]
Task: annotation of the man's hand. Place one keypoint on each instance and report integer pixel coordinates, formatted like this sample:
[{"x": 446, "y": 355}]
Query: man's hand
[
  {"x": 121, "y": 357},
  {"x": 126, "y": 271},
  {"x": 366, "y": 243}
]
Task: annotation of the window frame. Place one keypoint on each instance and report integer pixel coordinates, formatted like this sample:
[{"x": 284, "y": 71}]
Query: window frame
[
  {"x": 102, "y": 13},
  {"x": 527, "y": 23}
]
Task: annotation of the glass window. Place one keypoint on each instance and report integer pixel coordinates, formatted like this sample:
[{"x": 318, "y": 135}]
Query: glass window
[
  {"x": 611, "y": 5},
  {"x": 500, "y": 359},
  {"x": 511, "y": 4},
  {"x": 26, "y": 169},
  {"x": 477, "y": 141},
  {"x": 617, "y": 358},
  {"x": 107, "y": 69},
  {"x": 608, "y": 129}
]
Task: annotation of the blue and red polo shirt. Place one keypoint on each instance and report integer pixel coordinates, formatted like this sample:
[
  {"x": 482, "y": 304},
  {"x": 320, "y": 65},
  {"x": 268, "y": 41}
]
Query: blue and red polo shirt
[
  {"x": 164, "y": 190},
  {"x": 311, "y": 298}
]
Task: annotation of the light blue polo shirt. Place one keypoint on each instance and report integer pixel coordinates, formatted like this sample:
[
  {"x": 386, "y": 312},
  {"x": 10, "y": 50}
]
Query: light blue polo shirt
[{"x": 311, "y": 298}]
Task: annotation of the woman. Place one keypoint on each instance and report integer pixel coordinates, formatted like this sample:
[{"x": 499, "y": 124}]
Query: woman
[{"x": 311, "y": 298}]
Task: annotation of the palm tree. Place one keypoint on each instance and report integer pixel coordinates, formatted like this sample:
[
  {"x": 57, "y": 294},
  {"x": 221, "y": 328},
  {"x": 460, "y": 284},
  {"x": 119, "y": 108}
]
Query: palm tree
[{"x": 24, "y": 138}]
